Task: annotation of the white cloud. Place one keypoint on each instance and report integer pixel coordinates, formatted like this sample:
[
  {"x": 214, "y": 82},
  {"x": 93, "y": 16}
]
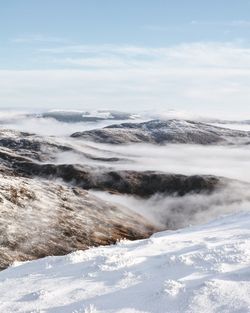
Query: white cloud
[
  {"x": 233, "y": 23},
  {"x": 226, "y": 55},
  {"x": 207, "y": 78},
  {"x": 38, "y": 38}
]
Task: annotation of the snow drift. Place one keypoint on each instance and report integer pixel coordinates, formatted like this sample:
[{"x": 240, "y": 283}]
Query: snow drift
[{"x": 194, "y": 270}]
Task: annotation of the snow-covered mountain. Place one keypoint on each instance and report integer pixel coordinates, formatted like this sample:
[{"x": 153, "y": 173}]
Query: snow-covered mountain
[
  {"x": 159, "y": 132},
  {"x": 194, "y": 270},
  {"x": 87, "y": 116}
]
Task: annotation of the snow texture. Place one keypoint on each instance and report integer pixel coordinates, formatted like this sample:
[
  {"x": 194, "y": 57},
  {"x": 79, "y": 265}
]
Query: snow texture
[
  {"x": 160, "y": 132},
  {"x": 194, "y": 270}
]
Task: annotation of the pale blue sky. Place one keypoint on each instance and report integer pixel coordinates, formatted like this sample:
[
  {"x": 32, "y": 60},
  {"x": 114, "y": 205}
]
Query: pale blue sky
[
  {"x": 28, "y": 25},
  {"x": 185, "y": 55}
]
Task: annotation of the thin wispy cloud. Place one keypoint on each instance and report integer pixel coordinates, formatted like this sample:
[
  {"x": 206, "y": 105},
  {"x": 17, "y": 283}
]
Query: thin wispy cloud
[
  {"x": 227, "y": 56},
  {"x": 38, "y": 38},
  {"x": 233, "y": 23},
  {"x": 102, "y": 49},
  {"x": 193, "y": 24},
  {"x": 96, "y": 62},
  {"x": 206, "y": 77},
  {"x": 161, "y": 28}
]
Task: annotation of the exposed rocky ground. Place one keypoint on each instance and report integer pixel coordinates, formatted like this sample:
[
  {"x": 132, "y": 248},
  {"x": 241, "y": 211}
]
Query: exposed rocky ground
[
  {"x": 160, "y": 132},
  {"x": 40, "y": 218},
  {"x": 46, "y": 209},
  {"x": 22, "y": 154}
]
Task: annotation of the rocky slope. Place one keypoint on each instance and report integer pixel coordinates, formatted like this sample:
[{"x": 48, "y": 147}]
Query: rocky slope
[
  {"x": 30, "y": 156},
  {"x": 160, "y": 132},
  {"x": 46, "y": 209},
  {"x": 40, "y": 218}
]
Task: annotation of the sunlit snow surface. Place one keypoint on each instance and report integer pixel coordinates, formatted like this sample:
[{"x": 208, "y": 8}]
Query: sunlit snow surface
[{"x": 198, "y": 269}]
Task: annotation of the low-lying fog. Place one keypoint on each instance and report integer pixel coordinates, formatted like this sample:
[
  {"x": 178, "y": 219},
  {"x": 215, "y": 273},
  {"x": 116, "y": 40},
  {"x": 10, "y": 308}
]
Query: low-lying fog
[
  {"x": 177, "y": 212},
  {"x": 228, "y": 161},
  {"x": 26, "y": 122},
  {"x": 171, "y": 212},
  {"x": 244, "y": 127}
]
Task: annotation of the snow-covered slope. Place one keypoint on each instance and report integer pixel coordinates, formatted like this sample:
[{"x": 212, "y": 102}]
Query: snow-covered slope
[
  {"x": 160, "y": 132},
  {"x": 198, "y": 269}
]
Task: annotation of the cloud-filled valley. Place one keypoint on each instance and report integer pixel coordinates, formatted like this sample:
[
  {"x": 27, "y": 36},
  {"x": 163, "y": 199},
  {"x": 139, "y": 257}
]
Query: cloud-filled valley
[{"x": 61, "y": 193}]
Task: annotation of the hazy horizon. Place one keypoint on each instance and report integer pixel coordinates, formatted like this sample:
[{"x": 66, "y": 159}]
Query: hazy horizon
[{"x": 133, "y": 56}]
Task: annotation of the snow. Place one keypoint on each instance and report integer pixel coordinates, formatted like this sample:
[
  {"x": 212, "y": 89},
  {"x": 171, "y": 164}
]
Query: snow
[{"x": 198, "y": 269}]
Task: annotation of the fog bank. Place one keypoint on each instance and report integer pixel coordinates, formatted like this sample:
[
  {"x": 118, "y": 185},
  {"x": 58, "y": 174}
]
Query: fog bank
[{"x": 172, "y": 212}]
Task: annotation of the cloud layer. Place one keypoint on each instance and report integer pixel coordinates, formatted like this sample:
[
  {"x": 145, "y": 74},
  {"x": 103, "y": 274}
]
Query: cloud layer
[{"x": 207, "y": 78}]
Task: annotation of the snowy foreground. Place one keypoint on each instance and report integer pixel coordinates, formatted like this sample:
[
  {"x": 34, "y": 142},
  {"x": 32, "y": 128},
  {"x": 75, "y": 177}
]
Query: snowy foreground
[{"x": 198, "y": 269}]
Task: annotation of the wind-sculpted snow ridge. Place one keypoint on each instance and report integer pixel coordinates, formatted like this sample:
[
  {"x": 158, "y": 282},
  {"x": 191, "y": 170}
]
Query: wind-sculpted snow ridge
[
  {"x": 194, "y": 270},
  {"x": 160, "y": 132}
]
